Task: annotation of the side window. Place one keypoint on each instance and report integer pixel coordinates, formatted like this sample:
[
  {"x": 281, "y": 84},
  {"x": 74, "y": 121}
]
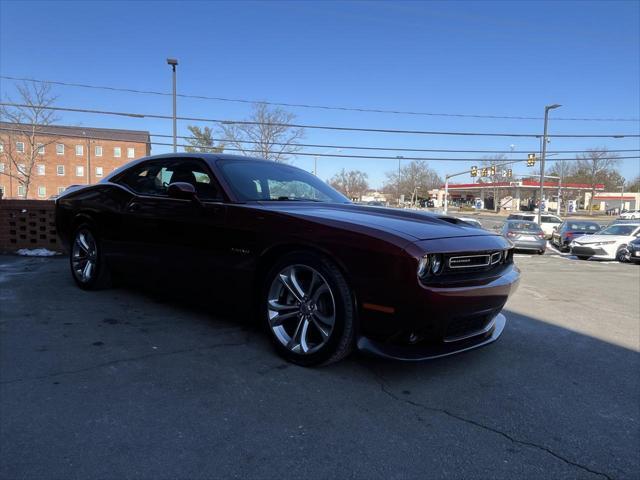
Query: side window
[
  {"x": 146, "y": 179},
  {"x": 154, "y": 178},
  {"x": 195, "y": 173}
]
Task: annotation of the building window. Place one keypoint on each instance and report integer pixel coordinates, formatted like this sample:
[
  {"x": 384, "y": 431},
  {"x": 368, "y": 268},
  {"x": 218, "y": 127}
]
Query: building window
[
  {"x": 79, "y": 171},
  {"x": 42, "y": 192},
  {"x": 60, "y": 170},
  {"x": 60, "y": 149},
  {"x": 20, "y": 147},
  {"x": 99, "y": 171},
  {"x": 98, "y": 151},
  {"x": 131, "y": 152},
  {"x": 22, "y": 169},
  {"x": 40, "y": 149},
  {"x": 79, "y": 150},
  {"x": 1, "y": 167},
  {"x": 60, "y": 190},
  {"x": 1, "y": 191},
  {"x": 1, "y": 147},
  {"x": 117, "y": 152},
  {"x": 40, "y": 168},
  {"x": 21, "y": 190}
]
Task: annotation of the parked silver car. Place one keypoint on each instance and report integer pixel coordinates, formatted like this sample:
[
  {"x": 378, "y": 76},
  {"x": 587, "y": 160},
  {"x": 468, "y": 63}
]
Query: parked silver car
[{"x": 525, "y": 235}]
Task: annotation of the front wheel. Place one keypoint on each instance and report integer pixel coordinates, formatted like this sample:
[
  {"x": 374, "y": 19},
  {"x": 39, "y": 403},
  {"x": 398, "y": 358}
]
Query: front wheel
[
  {"x": 622, "y": 255},
  {"x": 309, "y": 310},
  {"x": 582, "y": 257},
  {"x": 88, "y": 266}
]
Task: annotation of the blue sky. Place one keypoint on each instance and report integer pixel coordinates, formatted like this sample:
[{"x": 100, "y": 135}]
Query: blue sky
[{"x": 501, "y": 58}]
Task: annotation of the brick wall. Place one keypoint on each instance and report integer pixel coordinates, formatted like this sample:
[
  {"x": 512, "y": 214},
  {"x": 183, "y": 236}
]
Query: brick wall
[{"x": 28, "y": 224}]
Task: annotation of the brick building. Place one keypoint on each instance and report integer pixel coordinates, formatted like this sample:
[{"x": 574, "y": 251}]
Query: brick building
[{"x": 64, "y": 156}]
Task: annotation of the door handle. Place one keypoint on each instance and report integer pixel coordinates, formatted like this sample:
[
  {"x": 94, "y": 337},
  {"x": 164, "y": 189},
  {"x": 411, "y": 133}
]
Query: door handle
[{"x": 134, "y": 207}]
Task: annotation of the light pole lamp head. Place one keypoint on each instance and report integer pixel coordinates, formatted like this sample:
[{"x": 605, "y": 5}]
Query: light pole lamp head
[
  {"x": 173, "y": 62},
  {"x": 551, "y": 107}
]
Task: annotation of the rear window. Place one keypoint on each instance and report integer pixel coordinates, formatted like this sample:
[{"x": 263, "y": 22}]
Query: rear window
[
  {"x": 526, "y": 226},
  {"x": 583, "y": 227}
]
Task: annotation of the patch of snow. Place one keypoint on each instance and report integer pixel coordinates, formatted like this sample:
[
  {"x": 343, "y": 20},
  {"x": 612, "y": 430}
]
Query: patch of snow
[{"x": 36, "y": 252}]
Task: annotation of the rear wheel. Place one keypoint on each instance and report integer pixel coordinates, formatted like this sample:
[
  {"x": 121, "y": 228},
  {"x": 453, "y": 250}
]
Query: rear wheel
[
  {"x": 88, "y": 266},
  {"x": 309, "y": 311}
]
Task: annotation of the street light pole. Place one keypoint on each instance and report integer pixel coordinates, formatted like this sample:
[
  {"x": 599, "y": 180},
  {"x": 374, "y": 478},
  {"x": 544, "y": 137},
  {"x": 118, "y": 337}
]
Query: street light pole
[
  {"x": 399, "y": 157},
  {"x": 174, "y": 62},
  {"x": 544, "y": 152}
]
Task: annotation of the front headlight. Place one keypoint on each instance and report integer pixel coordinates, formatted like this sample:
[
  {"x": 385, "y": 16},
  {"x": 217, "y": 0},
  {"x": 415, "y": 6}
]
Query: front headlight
[
  {"x": 597, "y": 244},
  {"x": 430, "y": 264}
]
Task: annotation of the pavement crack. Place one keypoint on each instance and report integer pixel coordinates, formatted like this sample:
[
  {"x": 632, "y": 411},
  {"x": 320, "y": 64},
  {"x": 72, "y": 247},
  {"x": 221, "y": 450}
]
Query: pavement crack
[
  {"x": 242, "y": 342},
  {"x": 387, "y": 391}
]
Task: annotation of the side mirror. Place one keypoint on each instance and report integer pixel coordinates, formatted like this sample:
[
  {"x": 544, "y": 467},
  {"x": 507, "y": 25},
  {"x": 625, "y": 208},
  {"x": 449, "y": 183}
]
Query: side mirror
[{"x": 182, "y": 190}]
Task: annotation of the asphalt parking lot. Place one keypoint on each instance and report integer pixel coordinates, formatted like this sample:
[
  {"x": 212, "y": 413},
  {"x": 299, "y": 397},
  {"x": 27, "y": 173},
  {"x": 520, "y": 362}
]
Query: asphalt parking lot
[{"x": 126, "y": 383}]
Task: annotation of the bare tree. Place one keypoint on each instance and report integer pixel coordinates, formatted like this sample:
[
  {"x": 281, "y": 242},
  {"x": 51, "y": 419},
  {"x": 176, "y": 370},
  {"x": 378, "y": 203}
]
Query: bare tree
[
  {"x": 497, "y": 177},
  {"x": 566, "y": 172},
  {"x": 352, "y": 183},
  {"x": 201, "y": 141},
  {"x": 267, "y": 133},
  {"x": 415, "y": 177},
  {"x": 23, "y": 130},
  {"x": 596, "y": 165}
]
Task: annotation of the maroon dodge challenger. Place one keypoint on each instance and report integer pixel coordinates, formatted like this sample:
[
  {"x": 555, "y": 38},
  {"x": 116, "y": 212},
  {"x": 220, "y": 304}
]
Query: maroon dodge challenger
[{"x": 323, "y": 275}]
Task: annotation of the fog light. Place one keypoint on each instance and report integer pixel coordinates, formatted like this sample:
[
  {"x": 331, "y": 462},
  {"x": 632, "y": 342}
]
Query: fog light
[{"x": 436, "y": 263}]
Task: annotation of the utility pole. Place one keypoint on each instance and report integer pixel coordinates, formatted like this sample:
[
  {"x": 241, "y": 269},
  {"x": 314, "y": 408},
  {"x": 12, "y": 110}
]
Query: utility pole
[
  {"x": 399, "y": 157},
  {"x": 544, "y": 152},
  {"x": 621, "y": 198},
  {"x": 174, "y": 62}
]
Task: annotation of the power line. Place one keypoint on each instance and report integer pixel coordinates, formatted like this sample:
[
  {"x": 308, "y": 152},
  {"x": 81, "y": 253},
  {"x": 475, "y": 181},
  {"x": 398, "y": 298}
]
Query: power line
[
  {"x": 313, "y": 106},
  {"x": 307, "y": 154},
  {"x": 322, "y": 127},
  {"x": 394, "y": 149}
]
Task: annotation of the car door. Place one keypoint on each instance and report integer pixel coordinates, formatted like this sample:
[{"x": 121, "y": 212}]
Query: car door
[{"x": 174, "y": 236}]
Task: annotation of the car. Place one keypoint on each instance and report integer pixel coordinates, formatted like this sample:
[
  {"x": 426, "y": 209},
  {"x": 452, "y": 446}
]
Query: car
[
  {"x": 323, "y": 275},
  {"x": 525, "y": 235},
  {"x": 608, "y": 244},
  {"x": 547, "y": 221},
  {"x": 565, "y": 232},
  {"x": 631, "y": 215},
  {"x": 633, "y": 251}
]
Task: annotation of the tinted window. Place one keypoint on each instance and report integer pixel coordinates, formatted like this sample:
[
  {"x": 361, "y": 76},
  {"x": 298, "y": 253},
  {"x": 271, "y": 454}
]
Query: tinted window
[
  {"x": 528, "y": 226},
  {"x": 153, "y": 178},
  {"x": 265, "y": 180},
  {"x": 582, "y": 226},
  {"x": 550, "y": 219}
]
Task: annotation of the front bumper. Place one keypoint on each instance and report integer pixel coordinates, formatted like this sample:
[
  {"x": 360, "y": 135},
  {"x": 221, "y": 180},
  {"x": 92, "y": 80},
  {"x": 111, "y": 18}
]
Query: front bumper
[
  {"x": 416, "y": 353},
  {"x": 595, "y": 252}
]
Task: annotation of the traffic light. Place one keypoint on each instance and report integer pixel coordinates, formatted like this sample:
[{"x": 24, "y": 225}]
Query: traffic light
[
  {"x": 531, "y": 160},
  {"x": 509, "y": 173},
  {"x": 474, "y": 171},
  {"x": 493, "y": 170},
  {"x": 483, "y": 172}
]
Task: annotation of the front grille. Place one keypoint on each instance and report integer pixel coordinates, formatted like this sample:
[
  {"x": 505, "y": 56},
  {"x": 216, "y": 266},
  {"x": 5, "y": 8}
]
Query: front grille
[{"x": 476, "y": 261}]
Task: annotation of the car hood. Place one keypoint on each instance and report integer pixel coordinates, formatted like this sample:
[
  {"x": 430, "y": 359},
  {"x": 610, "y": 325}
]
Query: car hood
[
  {"x": 586, "y": 239},
  {"x": 411, "y": 224}
]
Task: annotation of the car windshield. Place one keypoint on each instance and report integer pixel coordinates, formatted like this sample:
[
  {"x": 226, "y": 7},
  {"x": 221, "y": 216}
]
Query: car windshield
[
  {"x": 263, "y": 180},
  {"x": 529, "y": 226},
  {"x": 625, "y": 230},
  {"x": 584, "y": 227}
]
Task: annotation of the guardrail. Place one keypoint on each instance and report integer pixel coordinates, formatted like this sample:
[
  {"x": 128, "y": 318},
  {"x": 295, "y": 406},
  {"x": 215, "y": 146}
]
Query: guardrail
[{"x": 28, "y": 224}]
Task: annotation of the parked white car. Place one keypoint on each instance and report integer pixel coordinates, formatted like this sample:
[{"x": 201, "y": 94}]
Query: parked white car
[
  {"x": 548, "y": 221},
  {"x": 632, "y": 215},
  {"x": 608, "y": 244}
]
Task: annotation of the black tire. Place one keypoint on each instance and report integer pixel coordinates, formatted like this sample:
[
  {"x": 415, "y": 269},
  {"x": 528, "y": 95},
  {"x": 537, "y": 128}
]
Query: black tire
[
  {"x": 101, "y": 276},
  {"x": 582, "y": 257},
  {"x": 341, "y": 339},
  {"x": 621, "y": 254},
  {"x": 541, "y": 252}
]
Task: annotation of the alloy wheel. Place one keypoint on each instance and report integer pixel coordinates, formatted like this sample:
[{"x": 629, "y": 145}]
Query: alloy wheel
[
  {"x": 84, "y": 259},
  {"x": 301, "y": 309}
]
